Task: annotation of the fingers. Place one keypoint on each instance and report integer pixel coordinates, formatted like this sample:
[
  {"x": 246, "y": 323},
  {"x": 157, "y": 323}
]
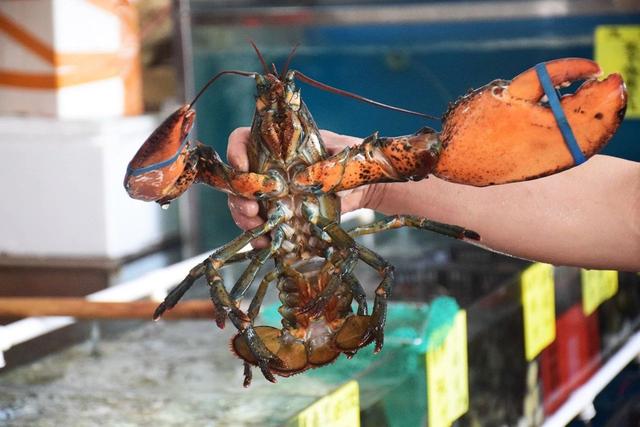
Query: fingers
[
  {"x": 240, "y": 138},
  {"x": 243, "y": 211},
  {"x": 244, "y": 208},
  {"x": 245, "y": 214},
  {"x": 335, "y": 142},
  {"x": 237, "y": 148}
]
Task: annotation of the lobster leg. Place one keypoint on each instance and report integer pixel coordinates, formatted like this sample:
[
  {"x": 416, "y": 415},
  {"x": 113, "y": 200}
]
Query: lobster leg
[
  {"x": 223, "y": 177},
  {"x": 178, "y": 292},
  {"x": 397, "y": 221},
  {"x": 221, "y": 300},
  {"x": 358, "y": 293},
  {"x": 202, "y": 164},
  {"x": 254, "y": 309},
  {"x": 256, "y": 302},
  {"x": 222, "y": 256},
  {"x": 242, "y": 322},
  {"x": 373, "y": 328},
  {"x": 196, "y": 272},
  {"x": 375, "y": 160},
  {"x": 219, "y": 295},
  {"x": 224, "y": 302},
  {"x": 249, "y": 274}
]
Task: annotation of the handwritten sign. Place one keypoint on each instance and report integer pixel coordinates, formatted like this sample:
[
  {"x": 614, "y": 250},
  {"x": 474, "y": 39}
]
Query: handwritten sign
[
  {"x": 538, "y": 306},
  {"x": 617, "y": 49},
  {"x": 597, "y": 287},
  {"x": 448, "y": 376},
  {"x": 341, "y": 408}
]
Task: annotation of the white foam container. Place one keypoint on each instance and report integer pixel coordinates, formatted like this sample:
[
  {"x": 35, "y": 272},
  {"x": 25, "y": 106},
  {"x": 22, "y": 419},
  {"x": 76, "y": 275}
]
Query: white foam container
[
  {"x": 60, "y": 43},
  {"x": 62, "y": 192}
]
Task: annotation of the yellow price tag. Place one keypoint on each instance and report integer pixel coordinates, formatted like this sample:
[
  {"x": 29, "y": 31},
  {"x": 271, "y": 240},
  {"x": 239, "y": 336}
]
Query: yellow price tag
[
  {"x": 617, "y": 49},
  {"x": 597, "y": 287},
  {"x": 448, "y": 376},
  {"x": 341, "y": 408},
  {"x": 538, "y": 307}
]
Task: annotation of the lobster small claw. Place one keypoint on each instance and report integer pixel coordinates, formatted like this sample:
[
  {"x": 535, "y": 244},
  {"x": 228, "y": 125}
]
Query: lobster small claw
[
  {"x": 504, "y": 132},
  {"x": 161, "y": 159},
  {"x": 561, "y": 71}
]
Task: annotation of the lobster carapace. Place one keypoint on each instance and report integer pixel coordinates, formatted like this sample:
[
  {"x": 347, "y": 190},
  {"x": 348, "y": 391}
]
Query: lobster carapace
[{"x": 499, "y": 133}]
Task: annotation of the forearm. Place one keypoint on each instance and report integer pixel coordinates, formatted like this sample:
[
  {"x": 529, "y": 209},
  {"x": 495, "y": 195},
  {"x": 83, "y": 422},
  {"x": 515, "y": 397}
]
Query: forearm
[{"x": 588, "y": 216}]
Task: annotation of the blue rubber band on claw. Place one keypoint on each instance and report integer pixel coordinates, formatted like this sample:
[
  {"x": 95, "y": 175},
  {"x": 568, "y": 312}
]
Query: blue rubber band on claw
[
  {"x": 159, "y": 165},
  {"x": 558, "y": 113}
]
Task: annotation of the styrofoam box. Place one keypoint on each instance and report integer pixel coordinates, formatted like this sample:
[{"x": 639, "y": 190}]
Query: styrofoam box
[
  {"x": 62, "y": 189},
  {"x": 58, "y": 56}
]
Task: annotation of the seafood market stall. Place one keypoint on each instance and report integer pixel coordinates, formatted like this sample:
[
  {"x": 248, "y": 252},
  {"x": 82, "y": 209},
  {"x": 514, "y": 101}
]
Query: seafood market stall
[{"x": 471, "y": 337}]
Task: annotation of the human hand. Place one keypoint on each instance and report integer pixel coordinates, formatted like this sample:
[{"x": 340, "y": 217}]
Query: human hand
[{"x": 245, "y": 211}]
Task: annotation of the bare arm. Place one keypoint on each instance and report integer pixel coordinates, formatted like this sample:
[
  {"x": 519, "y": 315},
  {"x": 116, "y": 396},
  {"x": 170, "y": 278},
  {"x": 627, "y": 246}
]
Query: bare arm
[{"x": 588, "y": 216}]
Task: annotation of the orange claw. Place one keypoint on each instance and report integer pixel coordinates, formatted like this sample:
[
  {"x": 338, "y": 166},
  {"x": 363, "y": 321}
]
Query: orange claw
[
  {"x": 161, "y": 146},
  {"x": 502, "y": 132}
]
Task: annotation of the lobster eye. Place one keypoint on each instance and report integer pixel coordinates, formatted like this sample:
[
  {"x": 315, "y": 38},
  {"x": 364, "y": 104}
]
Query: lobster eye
[
  {"x": 290, "y": 76},
  {"x": 262, "y": 84}
]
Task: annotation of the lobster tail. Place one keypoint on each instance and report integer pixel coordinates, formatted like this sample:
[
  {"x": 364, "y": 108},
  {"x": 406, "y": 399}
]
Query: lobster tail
[
  {"x": 352, "y": 335},
  {"x": 292, "y": 355}
]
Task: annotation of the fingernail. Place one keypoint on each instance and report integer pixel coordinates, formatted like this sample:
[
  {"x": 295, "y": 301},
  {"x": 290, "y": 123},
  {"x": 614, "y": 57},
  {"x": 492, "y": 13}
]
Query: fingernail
[{"x": 243, "y": 207}]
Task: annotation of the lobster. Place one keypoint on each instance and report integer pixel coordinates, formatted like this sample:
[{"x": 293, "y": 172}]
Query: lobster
[{"x": 503, "y": 132}]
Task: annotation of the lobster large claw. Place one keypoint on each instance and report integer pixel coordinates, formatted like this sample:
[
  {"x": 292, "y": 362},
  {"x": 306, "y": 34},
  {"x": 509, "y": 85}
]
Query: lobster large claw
[{"x": 503, "y": 133}]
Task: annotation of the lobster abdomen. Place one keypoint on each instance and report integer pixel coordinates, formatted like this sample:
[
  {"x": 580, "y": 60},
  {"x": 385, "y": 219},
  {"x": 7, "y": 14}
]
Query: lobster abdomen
[{"x": 306, "y": 340}]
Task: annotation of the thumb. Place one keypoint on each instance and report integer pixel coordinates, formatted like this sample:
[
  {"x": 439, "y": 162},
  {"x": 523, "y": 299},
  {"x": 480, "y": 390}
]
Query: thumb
[{"x": 239, "y": 139}]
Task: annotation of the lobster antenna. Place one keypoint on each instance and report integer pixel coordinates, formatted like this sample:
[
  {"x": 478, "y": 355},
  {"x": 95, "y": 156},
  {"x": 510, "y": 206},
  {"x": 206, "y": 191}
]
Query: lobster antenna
[
  {"x": 337, "y": 91},
  {"x": 286, "y": 64},
  {"x": 214, "y": 78},
  {"x": 264, "y": 64}
]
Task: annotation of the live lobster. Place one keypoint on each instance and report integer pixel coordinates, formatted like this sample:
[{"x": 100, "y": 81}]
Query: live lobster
[{"x": 497, "y": 134}]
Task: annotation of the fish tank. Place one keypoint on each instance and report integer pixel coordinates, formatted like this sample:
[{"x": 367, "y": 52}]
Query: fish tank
[{"x": 415, "y": 55}]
